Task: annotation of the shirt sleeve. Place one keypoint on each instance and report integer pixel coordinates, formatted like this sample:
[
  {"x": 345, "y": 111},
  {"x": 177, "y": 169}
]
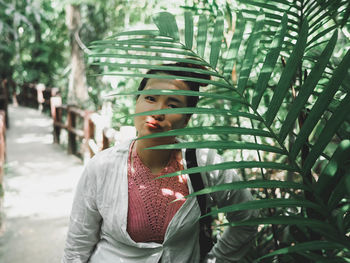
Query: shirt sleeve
[
  {"x": 85, "y": 220},
  {"x": 235, "y": 241}
]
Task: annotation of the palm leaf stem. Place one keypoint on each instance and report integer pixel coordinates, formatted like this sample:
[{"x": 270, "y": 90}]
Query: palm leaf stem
[
  {"x": 149, "y": 58},
  {"x": 270, "y": 210},
  {"x": 145, "y": 49},
  {"x": 136, "y": 32},
  {"x": 147, "y": 66}
]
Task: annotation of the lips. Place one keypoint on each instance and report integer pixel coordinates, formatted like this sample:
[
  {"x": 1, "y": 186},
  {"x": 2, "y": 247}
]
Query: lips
[{"x": 153, "y": 124}]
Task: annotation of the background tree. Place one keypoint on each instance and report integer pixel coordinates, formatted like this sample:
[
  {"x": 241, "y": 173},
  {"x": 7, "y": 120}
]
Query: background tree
[{"x": 77, "y": 89}]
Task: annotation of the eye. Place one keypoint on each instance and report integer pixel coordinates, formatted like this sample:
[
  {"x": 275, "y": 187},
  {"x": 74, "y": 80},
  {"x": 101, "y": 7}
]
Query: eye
[
  {"x": 150, "y": 98},
  {"x": 173, "y": 106}
]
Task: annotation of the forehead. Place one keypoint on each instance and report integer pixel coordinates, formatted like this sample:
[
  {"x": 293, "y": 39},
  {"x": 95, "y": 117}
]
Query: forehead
[{"x": 166, "y": 84}]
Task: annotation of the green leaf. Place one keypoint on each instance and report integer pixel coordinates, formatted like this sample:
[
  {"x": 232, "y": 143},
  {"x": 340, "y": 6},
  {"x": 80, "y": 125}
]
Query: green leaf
[
  {"x": 232, "y": 165},
  {"x": 287, "y": 75},
  {"x": 330, "y": 174},
  {"x": 232, "y": 52},
  {"x": 338, "y": 117},
  {"x": 160, "y": 50},
  {"x": 338, "y": 193},
  {"x": 250, "y": 54},
  {"x": 269, "y": 63},
  {"x": 157, "y": 67},
  {"x": 137, "y": 40},
  {"x": 321, "y": 104},
  {"x": 322, "y": 34},
  {"x": 166, "y": 24},
  {"x": 284, "y": 220},
  {"x": 268, "y": 203},
  {"x": 346, "y": 16},
  {"x": 220, "y": 145},
  {"x": 188, "y": 29},
  {"x": 217, "y": 40},
  {"x": 209, "y": 130},
  {"x": 250, "y": 184},
  {"x": 197, "y": 110},
  {"x": 150, "y": 58},
  {"x": 185, "y": 93},
  {"x": 305, "y": 246},
  {"x": 159, "y": 76},
  {"x": 136, "y": 33},
  {"x": 202, "y": 35},
  {"x": 307, "y": 88}
]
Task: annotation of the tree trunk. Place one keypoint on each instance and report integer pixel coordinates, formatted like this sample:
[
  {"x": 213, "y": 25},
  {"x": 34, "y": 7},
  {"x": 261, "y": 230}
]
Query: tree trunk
[{"x": 77, "y": 89}]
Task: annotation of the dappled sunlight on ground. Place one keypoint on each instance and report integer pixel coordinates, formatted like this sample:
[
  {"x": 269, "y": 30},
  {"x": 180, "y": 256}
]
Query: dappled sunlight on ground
[
  {"x": 39, "y": 185},
  {"x": 34, "y": 138}
]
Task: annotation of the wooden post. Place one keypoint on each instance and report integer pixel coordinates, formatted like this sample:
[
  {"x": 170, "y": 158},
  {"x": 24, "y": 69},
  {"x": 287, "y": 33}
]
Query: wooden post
[
  {"x": 40, "y": 88},
  {"x": 72, "y": 145},
  {"x": 4, "y": 94},
  {"x": 56, "y": 114},
  {"x": 2, "y": 143},
  {"x": 89, "y": 130},
  {"x": 105, "y": 140}
]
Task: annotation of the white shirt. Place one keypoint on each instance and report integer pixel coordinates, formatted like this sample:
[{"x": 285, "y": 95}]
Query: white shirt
[{"x": 97, "y": 231}]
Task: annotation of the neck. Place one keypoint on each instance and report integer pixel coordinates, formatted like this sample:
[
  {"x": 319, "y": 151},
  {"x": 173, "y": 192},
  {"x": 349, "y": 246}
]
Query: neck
[{"x": 155, "y": 160}]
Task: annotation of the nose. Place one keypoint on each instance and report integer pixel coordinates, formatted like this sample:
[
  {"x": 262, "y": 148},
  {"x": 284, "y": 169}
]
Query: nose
[{"x": 159, "y": 117}]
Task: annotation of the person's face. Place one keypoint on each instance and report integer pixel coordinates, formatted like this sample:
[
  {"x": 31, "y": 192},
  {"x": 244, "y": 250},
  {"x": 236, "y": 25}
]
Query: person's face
[{"x": 149, "y": 124}]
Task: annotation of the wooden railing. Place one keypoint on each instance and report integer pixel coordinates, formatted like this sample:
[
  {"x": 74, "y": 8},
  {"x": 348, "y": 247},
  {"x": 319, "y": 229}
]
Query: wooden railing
[
  {"x": 4, "y": 95},
  {"x": 36, "y": 95},
  {"x": 87, "y": 132},
  {"x": 2, "y": 147},
  {"x": 84, "y": 128}
]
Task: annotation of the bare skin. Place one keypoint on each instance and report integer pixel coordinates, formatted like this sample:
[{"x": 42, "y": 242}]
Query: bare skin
[{"x": 156, "y": 160}]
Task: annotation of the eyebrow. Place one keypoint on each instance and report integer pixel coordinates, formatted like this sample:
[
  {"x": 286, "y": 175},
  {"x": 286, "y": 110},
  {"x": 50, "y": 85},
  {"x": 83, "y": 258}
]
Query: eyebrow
[{"x": 176, "y": 100}]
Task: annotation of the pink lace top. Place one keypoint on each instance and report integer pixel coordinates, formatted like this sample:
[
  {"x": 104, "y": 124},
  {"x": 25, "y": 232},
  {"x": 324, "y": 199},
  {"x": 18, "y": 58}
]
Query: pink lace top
[{"x": 150, "y": 209}]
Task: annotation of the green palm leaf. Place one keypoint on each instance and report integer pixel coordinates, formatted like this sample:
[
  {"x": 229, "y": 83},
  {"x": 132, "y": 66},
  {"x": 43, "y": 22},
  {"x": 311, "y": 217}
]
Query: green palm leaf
[
  {"x": 306, "y": 246},
  {"x": 287, "y": 75},
  {"x": 295, "y": 30},
  {"x": 232, "y": 52},
  {"x": 266, "y": 203},
  {"x": 307, "y": 88},
  {"x": 220, "y": 145},
  {"x": 199, "y": 111},
  {"x": 210, "y": 130},
  {"x": 202, "y": 35},
  {"x": 321, "y": 104},
  {"x": 250, "y": 184},
  {"x": 233, "y": 165},
  {"x": 188, "y": 30},
  {"x": 250, "y": 54},
  {"x": 216, "y": 41},
  {"x": 328, "y": 132},
  {"x": 167, "y": 26},
  {"x": 269, "y": 63}
]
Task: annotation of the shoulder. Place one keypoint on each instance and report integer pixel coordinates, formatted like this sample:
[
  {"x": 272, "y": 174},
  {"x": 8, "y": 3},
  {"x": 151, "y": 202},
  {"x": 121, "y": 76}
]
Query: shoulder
[
  {"x": 110, "y": 155},
  {"x": 106, "y": 160},
  {"x": 210, "y": 157},
  {"x": 207, "y": 156}
]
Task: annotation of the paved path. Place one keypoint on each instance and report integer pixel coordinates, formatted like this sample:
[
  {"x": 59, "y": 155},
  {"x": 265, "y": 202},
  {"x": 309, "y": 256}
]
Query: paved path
[{"x": 39, "y": 183}]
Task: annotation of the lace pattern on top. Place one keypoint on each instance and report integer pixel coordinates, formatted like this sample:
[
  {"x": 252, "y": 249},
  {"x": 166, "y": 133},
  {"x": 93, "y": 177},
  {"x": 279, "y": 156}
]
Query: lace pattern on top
[{"x": 150, "y": 209}]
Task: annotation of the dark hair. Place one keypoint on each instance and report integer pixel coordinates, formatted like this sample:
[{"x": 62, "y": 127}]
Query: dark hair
[{"x": 191, "y": 100}]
